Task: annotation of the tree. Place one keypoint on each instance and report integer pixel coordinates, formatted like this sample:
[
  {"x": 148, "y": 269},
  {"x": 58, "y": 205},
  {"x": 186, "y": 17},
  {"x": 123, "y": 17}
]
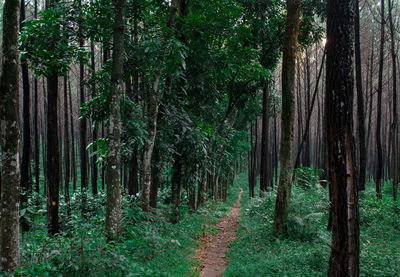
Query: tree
[
  {"x": 339, "y": 103},
  {"x": 288, "y": 89},
  {"x": 26, "y": 149},
  {"x": 114, "y": 205},
  {"x": 360, "y": 101},
  {"x": 379, "y": 170},
  {"x": 9, "y": 140},
  {"x": 394, "y": 127}
]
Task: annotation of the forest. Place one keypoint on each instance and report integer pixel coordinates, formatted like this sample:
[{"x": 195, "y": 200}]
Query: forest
[{"x": 199, "y": 138}]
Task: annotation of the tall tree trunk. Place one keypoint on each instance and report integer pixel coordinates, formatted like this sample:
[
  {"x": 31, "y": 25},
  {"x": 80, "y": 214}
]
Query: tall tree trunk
[
  {"x": 344, "y": 258},
  {"x": 9, "y": 140},
  {"x": 394, "y": 129},
  {"x": 26, "y": 150},
  {"x": 73, "y": 156},
  {"x": 95, "y": 173},
  {"x": 360, "y": 102},
  {"x": 288, "y": 88},
  {"x": 37, "y": 137},
  {"x": 67, "y": 146},
  {"x": 264, "y": 176},
  {"x": 82, "y": 124},
  {"x": 379, "y": 171},
  {"x": 53, "y": 156},
  {"x": 114, "y": 205},
  {"x": 36, "y": 123}
]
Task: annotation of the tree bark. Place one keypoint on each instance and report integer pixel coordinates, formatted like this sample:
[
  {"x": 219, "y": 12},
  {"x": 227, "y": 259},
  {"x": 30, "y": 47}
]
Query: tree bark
[
  {"x": 73, "y": 156},
  {"x": 67, "y": 160},
  {"x": 360, "y": 102},
  {"x": 82, "y": 123},
  {"x": 288, "y": 88},
  {"x": 344, "y": 257},
  {"x": 114, "y": 205},
  {"x": 264, "y": 176},
  {"x": 394, "y": 127},
  {"x": 26, "y": 138},
  {"x": 379, "y": 171},
  {"x": 9, "y": 140},
  {"x": 95, "y": 173},
  {"x": 53, "y": 158}
]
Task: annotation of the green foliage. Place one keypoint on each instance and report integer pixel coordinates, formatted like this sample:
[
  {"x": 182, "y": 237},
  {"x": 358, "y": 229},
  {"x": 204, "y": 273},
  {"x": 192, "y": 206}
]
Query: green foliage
[
  {"x": 308, "y": 177},
  {"x": 48, "y": 41},
  {"x": 304, "y": 249},
  {"x": 150, "y": 245}
]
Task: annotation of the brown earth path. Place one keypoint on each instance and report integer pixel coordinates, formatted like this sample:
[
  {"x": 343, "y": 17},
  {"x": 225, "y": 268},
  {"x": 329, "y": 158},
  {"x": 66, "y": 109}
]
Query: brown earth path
[{"x": 212, "y": 254}]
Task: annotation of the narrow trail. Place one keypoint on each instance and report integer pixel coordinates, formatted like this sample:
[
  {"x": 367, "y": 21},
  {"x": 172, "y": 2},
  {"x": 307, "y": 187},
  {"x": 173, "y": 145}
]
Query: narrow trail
[{"x": 212, "y": 255}]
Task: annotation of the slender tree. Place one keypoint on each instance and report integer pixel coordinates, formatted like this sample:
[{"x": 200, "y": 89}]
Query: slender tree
[
  {"x": 394, "y": 127},
  {"x": 9, "y": 140},
  {"x": 339, "y": 103},
  {"x": 114, "y": 205},
  {"x": 26, "y": 134},
  {"x": 379, "y": 170},
  {"x": 288, "y": 89},
  {"x": 360, "y": 101},
  {"x": 264, "y": 169}
]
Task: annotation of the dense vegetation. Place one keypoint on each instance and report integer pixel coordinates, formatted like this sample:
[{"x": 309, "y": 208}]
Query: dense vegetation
[
  {"x": 304, "y": 251},
  {"x": 126, "y": 125}
]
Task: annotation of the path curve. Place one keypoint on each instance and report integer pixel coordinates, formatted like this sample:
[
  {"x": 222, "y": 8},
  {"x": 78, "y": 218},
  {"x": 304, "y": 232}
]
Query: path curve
[{"x": 212, "y": 255}]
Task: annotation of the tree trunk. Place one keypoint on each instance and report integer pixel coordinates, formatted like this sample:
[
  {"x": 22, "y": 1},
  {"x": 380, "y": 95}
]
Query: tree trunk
[
  {"x": 264, "y": 172},
  {"x": 26, "y": 138},
  {"x": 114, "y": 205},
  {"x": 95, "y": 173},
  {"x": 152, "y": 110},
  {"x": 9, "y": 140},
  {"x": 379, "y": 171},
  {"x": 73, "y": 156},
  {"x": 288, "y": 88},
  {"x": 360, "y": 102},
  {"x": 67, "y": 146},
  {"x": 342, "y": 175},
  {"x": 394, "y": 129},
  {"x": 82, "y": 126},
  {"x": 53, "y": 155}
]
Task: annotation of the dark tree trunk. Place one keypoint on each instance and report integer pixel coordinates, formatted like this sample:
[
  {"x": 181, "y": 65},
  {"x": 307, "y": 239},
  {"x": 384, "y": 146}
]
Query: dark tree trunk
[
  {"x": 342, "y": 175},
  {"x": 53, "y": 158},
  {"x": 73, "y": 156},
  {"x": 95, "y": 173},
  {"x": 133, "y": 184},
  {"x": 288, "y": 88},
  {"x": 360, "y": 102},
  {"x": 379, "y": 171},
  {"x": 67, "y": 147},
  {"x": 394, "y": 127},
  {"x": 82, "y": 127},
  {"x": 26, "y": 138},
  {"x": 264, "y": 170},
  {"x": 37, "y": 137},
  {"x": 9, "y": 140}
]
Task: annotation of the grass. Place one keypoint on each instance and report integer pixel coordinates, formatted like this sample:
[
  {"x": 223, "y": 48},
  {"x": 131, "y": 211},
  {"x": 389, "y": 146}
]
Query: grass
[
  {"x": 304, "y": 250},
  {"x": 150, "y": 245}
]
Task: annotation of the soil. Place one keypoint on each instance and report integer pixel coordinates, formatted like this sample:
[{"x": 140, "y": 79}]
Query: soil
[{"x": 214, "y": 247}]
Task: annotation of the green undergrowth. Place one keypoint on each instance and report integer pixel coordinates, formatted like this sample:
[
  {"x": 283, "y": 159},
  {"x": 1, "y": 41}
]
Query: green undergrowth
[
  {"x": 150, "y": 244},
  {"x": 304, "y": 250}
]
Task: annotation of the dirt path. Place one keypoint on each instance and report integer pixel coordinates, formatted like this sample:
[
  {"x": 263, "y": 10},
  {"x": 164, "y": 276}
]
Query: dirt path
[{"x": 212, "y": 255}]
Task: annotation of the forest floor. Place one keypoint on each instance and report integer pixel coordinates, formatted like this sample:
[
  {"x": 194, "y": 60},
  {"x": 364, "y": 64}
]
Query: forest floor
[{"x": 214, "y": 246}]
